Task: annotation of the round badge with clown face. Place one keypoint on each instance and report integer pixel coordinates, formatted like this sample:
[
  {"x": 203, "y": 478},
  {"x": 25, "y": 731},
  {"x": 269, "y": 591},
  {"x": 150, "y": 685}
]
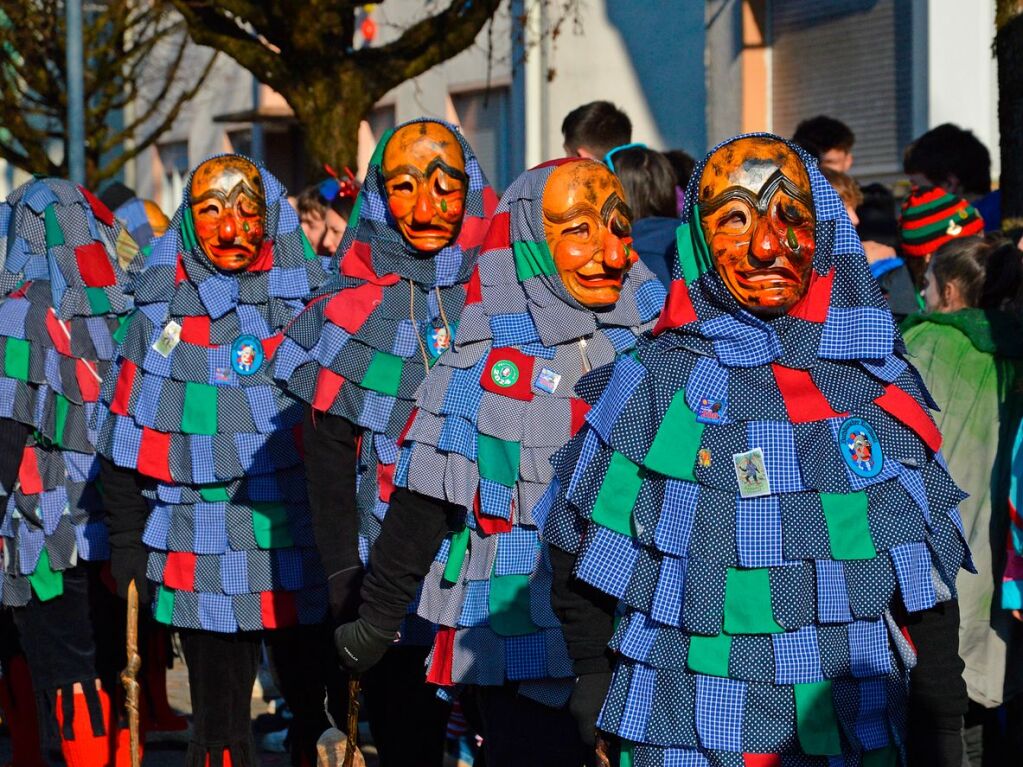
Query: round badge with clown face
[
  {"x": 438, "y": 340},
  {"x": 861, "y": 451},
  {"x": 246, "y": 355}
]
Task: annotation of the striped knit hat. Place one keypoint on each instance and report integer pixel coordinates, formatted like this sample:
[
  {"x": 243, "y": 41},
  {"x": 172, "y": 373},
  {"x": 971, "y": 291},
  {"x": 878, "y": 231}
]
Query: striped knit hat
[{"x": 931, "y": 217}]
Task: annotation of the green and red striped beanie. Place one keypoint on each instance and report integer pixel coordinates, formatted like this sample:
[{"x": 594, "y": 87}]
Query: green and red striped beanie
[{"x": 931, "y": 217}]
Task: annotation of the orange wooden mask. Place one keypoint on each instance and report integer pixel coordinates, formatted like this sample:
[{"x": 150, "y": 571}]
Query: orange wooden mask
[
  {"x": 425, "y": 178},
  {"x": 588, "y": 228},
  {"x": 228, "y": 209},
  {"x": 756, "y": 211}
]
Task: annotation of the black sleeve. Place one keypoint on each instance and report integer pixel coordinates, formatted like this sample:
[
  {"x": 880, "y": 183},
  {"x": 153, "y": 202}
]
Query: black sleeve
[
  {"x": 330, "y": 463},
  {"x": 937, "y": 695},
  {"x": 413, "y": 530},
  {"x": 125, "y": 505},
  {"x": 586, "y": 615},
  {"x": 13, "y": 436}
]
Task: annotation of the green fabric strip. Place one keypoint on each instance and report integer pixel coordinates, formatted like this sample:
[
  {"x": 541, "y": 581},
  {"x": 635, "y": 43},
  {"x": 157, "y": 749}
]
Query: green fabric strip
[
  {"x": 46, "y": 582},
  {"x": 848, "y": 528},
  {"x": 498, "y": 460},
  {"x": 748, "y": 602},
  {"x": 189, "y": 242},
  {"x": 16, "y": 358},
  {"x": 270, "y": 525},
  {"x": 509, "y": 605},
  {"x": 923, "y": 232},
  {"x": 54, "y": 234},
  {"x": 617, "y": 495},
  {"x": 709, "y": 655},
  {"x": 123, "y": 323},
  {"x": 920, "y": 211},
  {"x": 60, "y": 411},
  {"x": 627, "y": 756},
  {"x": 214, "y": 493},
  {"x": 164, "y": 612},
  {"x": 816, "y": 724},
  {"x": 673, "y": 451},
  {"x": 99, "y": 303},
  {"x": 307, "y": 248},
  {"x": 533, "y": 259},
  {"x": 456, "y": 555},
  {"x": 693, "y": 253},
  {"x": 199, "y": 415},
  {"x": 383, "y": 374}
]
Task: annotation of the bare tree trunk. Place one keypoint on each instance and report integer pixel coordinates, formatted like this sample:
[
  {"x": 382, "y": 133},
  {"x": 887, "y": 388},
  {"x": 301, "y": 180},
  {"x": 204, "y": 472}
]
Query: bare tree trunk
[{"x": 1009, "y": 48}]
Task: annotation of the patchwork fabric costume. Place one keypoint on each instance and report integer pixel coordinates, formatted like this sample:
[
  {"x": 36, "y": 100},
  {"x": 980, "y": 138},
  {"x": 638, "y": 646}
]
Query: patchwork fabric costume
[
  {"x": 767, "y": 500},
  {"x": 488, "y": 418},
  {"x": 192, "y": 407}
]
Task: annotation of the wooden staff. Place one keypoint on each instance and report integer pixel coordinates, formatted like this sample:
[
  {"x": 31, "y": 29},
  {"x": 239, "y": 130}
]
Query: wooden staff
[
  {"x": 351, "y": 745},
  {"x": 604, "y": 751},
  {"x": 128, "y": 676}
]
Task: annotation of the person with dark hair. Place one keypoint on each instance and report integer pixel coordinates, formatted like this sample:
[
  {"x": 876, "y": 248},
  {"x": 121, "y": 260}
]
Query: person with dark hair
[
  {"x": 649, "y": 183},
  {"x": 339, "y": 210},
  {"x": 312, "y": 214},
  {"x": 829, "y": 140},
  {"x": 683, "y": 164},
  {"x": 593, "y": 130},
  {"x": 968, "y": 348}
]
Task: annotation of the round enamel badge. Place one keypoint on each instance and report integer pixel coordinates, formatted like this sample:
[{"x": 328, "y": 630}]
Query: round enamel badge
[
  {"x": 857, "y": 441},
  {"x": 504, "y": 373},
  {"x": 246, "y": 355}
]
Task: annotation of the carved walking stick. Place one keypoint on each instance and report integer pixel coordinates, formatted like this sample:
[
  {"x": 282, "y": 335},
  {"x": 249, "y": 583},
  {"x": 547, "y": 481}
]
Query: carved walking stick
[
  {"x": 335, "y": 748},
  {"x": 351, "y": 747},
  {"x": 128, "y": 676}
]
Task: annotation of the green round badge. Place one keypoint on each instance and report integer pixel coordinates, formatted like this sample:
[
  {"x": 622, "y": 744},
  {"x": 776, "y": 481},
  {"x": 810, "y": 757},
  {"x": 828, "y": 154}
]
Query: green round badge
[{"x": 504, "y": 373}]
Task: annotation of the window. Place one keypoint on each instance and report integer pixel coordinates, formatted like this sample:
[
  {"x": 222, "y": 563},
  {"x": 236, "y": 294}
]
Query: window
[
  {"x": 484, "y": 117},
  {"x": 174, "y": 159}
]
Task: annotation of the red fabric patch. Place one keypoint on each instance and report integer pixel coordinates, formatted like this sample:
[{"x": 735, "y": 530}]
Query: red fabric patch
[
  {"x": 901, "y": 406},
  {"x": 443, "y": 657},
  {"x": 358, "y": 263},
  {"x": 492, "y": 525},
  {"x": 22, "y": 291},
  {"x": 473, "y": 288},
  {"x": 385, "y": 481},
  {"x": 195, "y": 329},
  {"x": 180, "y": 275},
  {"x": 179, "y": 571},
  {"x": 264, "y": 260},
  {"x": 270, "y": 344},
  {"x": 278, "y": 609},
  {"x": 521, "y": 387},
  {"x": 813, "y": 307},
  {"x": 761, "y": 760},
  {"x": 499, "y": 233},
  {"x": 88, "y": 380},
  {"x": 351, "y": 307},
  {"x": 473, "y": 231},
  {"x": 803, "y": 400},
  {"x": 28, "y": 473},
  {"x": 490, "y": 200},
  {"x": 580, "y": 408},
  {"x": 99, "y": 210},
  {"x": 122, "y": 392},
  {"x": 678, "y": 309},
  {"x": 94, "y": 266},
  {"x": 328, "y": 384},
  {"x": 61, "y": 339},
  {"x": 153, "y": 452}
]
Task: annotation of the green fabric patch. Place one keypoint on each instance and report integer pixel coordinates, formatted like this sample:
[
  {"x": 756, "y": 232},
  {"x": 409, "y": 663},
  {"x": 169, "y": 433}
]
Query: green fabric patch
[
  {"x": 307, "y": 248},
  {"x": 748, "y": 602},
  {"x": 673, "y": 451},
  {"x": 164, "y": 612},
  {"x": 16, "y": 358},
  {"x": 456, "y": 555},
  {"x": 99, "y": 303},
  {"x": 626, "y": 755},
  {"x": 816, "y": 724},
  {"x": 199, "y": 415},
  {"x": 848, "y": 529},
  {"x": 881, "y": 757},
  {"x": 46, "y": 582},
  {"x": 498, "y": 460},
  {"x": 60, "y": 411},
  {"x": 709, "y": 655},
  {"x": 123, "y": 324},
  {"x": 188, "y": 239},
  {"x": 54, "y": 234},
  {"x": 617, "y": 495},
  {"x": 533, "y": 259},
  {"x": 693, "y": 253},
  {"x": 383, "y": 374},
  {"x": 509, "y": 605},
  {"x": 270, "y": 525},
  {"x": 214, "y": 493}
]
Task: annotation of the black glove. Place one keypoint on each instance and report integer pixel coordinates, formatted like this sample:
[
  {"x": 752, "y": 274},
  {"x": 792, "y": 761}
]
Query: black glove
[
  {"x": 343, "y": 593},
  {"x": 584, "y": 705},
  {"x": 126, "y": 563},
  {"x": 360, "y": 645}
]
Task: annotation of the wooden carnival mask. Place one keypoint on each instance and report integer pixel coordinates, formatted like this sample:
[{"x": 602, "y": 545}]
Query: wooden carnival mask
[
  {"x": 588, "y": 228},
  {"x": 756, "y": 211},
  {"x": 228, "y": 209},
  {"x": 425, "y": 178}
]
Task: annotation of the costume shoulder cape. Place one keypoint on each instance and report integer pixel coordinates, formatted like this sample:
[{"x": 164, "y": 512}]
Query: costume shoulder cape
[
  {"x": 191, "y": 405},
  {"x": 368, "y": 336},
  {"x": 766, "y": 498},
  {"x": 61, "y": 288},
  {"x": 488, "y": 417}
]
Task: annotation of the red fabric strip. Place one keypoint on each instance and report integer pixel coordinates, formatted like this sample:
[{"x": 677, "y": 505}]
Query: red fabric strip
[
  {"x": 122, "y": 392},
  {"x": 180, "y": 275},
  {"x": 94, "y": 266},
  {"x": 901, "y": 406},
  {"x": 385, "y": 481},
  {"x": 195, "y": 329},
  {"x": 473, "y": 289},
  {"x": 61, "y": 339},
  {"x": 492, "y": 525},
  {"x": 99, "y": 210},
  {"x": 264, "y": 260},
  {"x": 351, "y": 307},
  {"x": 678, "y": 309},
  {"x": 521, "y": 387},
  {"x": 153, "y": 454},
  {"x": 473, "y": 230},
  {"x": 813, "y": 307},
  {"x": 328, "y": 384},
  {"x": 358, "y": 263},
  {"x": 803, "y": 400},
  {"x": 179, "y": 571},
  {"x": 941, "y": 215},
  {"x": 499, "y": 234},
  {"x": 579, "y": 410},
  {"x": 270, "y": 344},
  {"x": 443, "y": 657},
  {"x": 28, "y": 473},
  {"x": 761, "y": 760},
  {"x": 88, "y": 383},
  {"x": 278, "y": 609}
]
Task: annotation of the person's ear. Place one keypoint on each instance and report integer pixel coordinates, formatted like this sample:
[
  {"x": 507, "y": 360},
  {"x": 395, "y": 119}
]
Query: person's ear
[{"x": 951, "y": 296}]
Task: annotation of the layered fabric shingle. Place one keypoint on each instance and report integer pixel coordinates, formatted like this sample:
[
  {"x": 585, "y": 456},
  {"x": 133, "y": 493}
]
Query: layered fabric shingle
[
  {"x": 766, "y": 498},
  {"x": 60, "y": 310},
  {"x": 369, "y": 335},
  {"x": 190, "y": 404},
  {"x": 489, "y": 416}
]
